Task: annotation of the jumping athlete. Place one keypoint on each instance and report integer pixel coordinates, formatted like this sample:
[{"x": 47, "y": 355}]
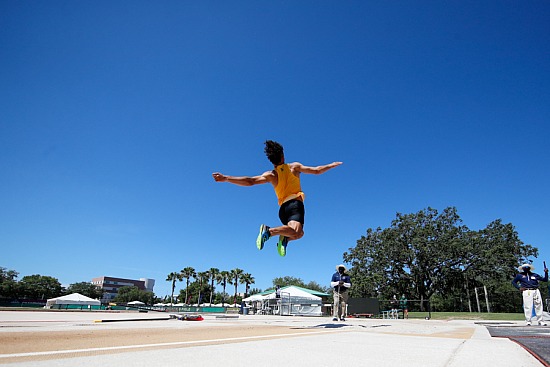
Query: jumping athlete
[{"x": 285, "y": 179}]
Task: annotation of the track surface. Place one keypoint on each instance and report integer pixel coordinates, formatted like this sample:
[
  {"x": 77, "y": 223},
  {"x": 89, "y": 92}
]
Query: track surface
[
  {"x": 535, "y": 339},
  {"x": 68, "y": 339}
]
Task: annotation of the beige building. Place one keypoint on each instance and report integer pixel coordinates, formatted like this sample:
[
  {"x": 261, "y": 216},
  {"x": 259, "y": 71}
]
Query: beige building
[{"x": 110, "y": 286}]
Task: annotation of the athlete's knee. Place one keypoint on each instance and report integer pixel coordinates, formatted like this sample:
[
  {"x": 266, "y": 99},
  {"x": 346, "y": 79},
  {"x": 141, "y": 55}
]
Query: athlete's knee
[{"x": 298, "y": 229}]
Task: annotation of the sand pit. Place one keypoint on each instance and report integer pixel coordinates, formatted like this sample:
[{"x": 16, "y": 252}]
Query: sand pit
[{"x": 95, "y": 339}]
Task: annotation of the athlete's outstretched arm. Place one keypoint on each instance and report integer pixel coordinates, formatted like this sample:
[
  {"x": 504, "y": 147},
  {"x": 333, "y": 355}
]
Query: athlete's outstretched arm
[
  {"x": 318, "y": 169},
  {"x": 244, "y": 180}
]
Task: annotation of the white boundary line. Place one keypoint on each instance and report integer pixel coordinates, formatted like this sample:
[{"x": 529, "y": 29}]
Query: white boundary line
[{"x": 137, "y": 346}]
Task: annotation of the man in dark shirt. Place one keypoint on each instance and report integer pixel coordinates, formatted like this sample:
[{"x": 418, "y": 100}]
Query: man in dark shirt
[
  {"x": 528, "y": 284},
  {"x": 340, "y": 284}
]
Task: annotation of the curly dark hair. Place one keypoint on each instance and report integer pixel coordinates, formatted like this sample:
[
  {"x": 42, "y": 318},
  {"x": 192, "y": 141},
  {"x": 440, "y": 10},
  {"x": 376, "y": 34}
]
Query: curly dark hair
[{"x": 273, "y": 151}]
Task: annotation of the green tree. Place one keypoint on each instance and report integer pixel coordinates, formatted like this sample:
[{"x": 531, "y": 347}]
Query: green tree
[
  {"x": 417, "y": 251},
  {"x": 86, "y": 289},
  {"x": 213, "y": 273},
  {"x": 430, "y": 253},
  {"x": 39, "y": 287},
  {"x": 288, "y": 280},
  {"x": 187, "y": 273},
  {"x": 492, "y": 256},
  {"x": 495, "y": 249},
  {"x": 133, "y": 293},
  {"x": 255, "y": 291},
  {"x": 317, "y": 287},
  {"x": 201, "y": 277},
  {"x": 247, "y": 279},
  {"x": 367, "y": 273},
  {"x": 196, "y": 288},
  {"x": 234, "y": 278},
  {"x": 173, "y": 277},
  {"x": 222, "y": 279},
  {"x": 298, "y": 282},
  {"x": 8, "y": 283}
]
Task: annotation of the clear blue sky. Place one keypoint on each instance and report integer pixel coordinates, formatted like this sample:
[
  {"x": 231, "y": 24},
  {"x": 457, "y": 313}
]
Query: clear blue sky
[{"x": 113, "y": 115}]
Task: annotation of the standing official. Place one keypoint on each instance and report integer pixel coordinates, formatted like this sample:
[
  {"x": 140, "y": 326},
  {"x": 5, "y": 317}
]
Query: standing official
[
  {"x": 528, "y": 284},
  {"x": 340, "y": 283}
]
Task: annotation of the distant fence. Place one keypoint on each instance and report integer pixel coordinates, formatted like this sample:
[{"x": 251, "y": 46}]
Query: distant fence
[
  {"x": 509, "y": 301},
  {"x": 373, "y": 307},
  {"x": 191, "y": 309},
  {"x": 420, "y": 308},
  {"x": 123, "y": 307},
  {"x": 480, "y": 300},
  {"x": 31, "y": 303},
  {"x": 79, "y": 307}
]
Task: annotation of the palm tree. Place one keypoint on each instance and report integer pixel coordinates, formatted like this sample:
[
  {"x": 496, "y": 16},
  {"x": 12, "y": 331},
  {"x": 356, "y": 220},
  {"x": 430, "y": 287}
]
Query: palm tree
[
  {"x": 247, "y": 279},
  {"x": 201, "y": 275},
  {"x": 222, "y": 278},
  {"x": 213, "y": 273},
  {"x": 172, "y": 277},
  {"x": 235, "y": 275},
  {"x": 187, "y": 273}
]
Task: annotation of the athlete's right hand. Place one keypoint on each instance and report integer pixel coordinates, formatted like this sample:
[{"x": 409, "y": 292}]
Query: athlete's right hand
[{"x": 218, "y": 177}]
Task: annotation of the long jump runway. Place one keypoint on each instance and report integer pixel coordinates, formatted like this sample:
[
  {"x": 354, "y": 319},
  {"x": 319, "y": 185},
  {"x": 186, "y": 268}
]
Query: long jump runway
[{"x": 76, "y": 339}]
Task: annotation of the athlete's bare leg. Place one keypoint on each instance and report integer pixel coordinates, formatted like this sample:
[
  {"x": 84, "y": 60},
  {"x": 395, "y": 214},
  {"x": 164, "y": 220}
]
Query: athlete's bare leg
[{"x": 293, "y": 230}]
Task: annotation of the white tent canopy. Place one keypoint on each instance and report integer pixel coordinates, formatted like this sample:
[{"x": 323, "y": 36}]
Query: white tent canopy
[
  {"x": 255, "y": 297},
  {"x": 136, "y": 303},
  {"x": 294, "y": 292},
  {"x": 72, "y": 299},
  {"x": 289, "y": 291},
  {"x": 294, "y": 301}
]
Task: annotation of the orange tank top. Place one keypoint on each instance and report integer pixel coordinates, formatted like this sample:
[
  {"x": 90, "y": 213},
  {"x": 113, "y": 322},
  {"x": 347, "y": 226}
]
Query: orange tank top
[{"x": 288, "y": 185}]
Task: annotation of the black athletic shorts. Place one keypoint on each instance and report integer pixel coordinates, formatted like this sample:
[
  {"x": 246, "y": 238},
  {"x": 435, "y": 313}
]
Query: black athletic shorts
[{"x": 292, "y": 210}]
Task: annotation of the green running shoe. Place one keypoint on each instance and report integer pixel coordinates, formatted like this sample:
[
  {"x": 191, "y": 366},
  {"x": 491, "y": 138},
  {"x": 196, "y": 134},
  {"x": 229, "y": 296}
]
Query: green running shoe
[
  {"x": 262, "y": 236},
  {"x": 281, "y": 245}
]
